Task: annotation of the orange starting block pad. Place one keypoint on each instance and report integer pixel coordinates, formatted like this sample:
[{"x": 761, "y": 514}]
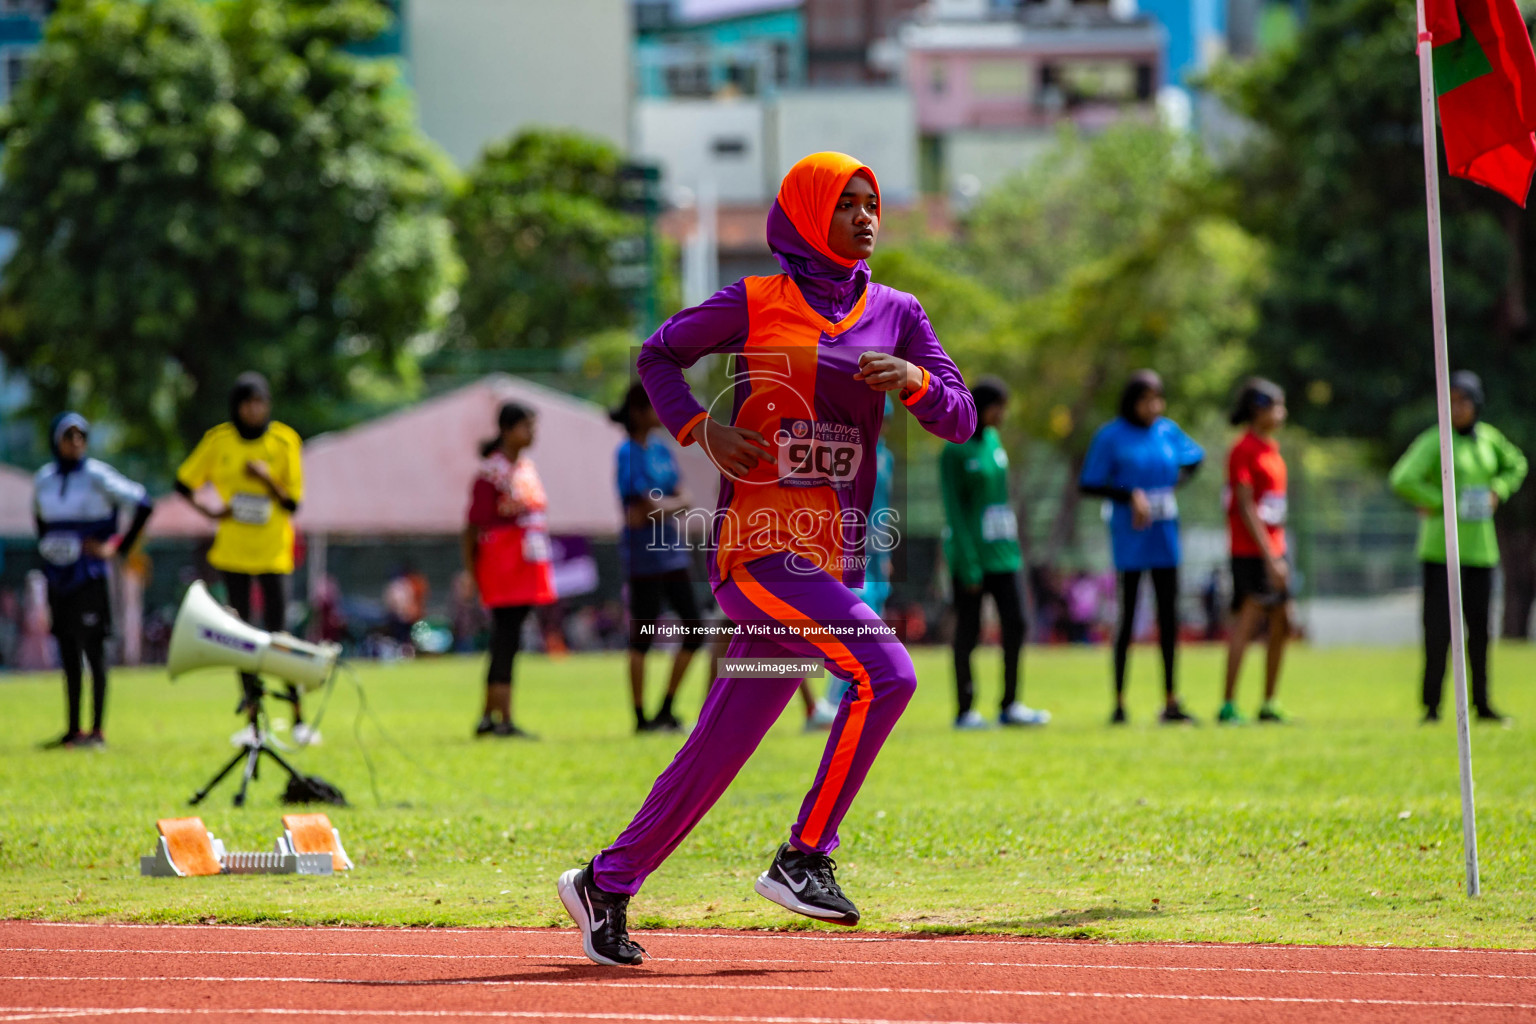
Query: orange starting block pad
[
  {"x": 187, "y": 848},
  {"x": 313, "y": 834}
]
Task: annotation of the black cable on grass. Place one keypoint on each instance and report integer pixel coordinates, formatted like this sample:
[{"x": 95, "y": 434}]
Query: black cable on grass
[
  {"x": 365, "y": 709},
  {"x": 325, "y": 700},
  {"x": 357, "y": 732}
]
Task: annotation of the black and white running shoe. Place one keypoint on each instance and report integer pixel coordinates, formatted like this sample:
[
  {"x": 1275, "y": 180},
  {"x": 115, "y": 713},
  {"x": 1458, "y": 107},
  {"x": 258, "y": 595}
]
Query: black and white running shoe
[
  {"x": 602, "y": 918},
  {"x": 804, "y": 883}
]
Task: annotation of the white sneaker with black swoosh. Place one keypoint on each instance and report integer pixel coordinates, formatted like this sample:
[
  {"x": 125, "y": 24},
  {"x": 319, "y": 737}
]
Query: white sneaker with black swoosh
[{"x": 805, "y": 883}]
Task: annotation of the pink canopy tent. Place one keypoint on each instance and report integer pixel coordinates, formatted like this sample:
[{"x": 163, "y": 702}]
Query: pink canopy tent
[
  {"x": 408, "y": 473},
  {"x": 15, "y": 502}
]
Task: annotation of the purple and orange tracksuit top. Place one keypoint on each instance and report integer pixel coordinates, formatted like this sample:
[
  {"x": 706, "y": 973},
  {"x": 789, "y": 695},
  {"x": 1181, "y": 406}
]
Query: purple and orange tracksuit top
[{"x": 797, "y": 338}]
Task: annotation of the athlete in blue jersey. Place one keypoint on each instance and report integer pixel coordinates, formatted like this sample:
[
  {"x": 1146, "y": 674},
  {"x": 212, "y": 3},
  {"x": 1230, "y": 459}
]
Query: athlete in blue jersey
[
  {"x": 1137, "y": 461},
  {"x": 656, "y": 558}
]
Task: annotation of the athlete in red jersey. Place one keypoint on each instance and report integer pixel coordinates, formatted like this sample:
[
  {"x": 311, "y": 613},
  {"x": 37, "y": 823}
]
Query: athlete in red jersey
[
  {"x": 507, "y": 552},
  {"x": 1261, "y": 577}
]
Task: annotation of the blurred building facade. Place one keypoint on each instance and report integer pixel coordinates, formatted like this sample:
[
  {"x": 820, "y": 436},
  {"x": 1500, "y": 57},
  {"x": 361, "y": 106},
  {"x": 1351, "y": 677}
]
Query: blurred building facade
[
  {"x": 486, "y": 69},
  {"x": 990, "y": 83},
  {"x": 845, "y": 39},
  {"x": 739, "y": 52},
  {"x": 742, "y": 147}
]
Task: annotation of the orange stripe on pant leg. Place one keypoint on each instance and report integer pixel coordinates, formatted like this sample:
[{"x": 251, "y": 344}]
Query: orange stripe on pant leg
[{"x": 848, "y": 742}]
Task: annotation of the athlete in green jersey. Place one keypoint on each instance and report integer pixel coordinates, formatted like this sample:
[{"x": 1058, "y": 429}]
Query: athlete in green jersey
[
  {"x": 1488, "y": 470},
  {"x": 981, "y": 545}
]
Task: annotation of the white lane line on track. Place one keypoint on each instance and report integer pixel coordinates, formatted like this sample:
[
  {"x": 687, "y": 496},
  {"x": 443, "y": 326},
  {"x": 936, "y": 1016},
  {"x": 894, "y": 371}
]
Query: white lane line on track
[
  {"x": 43, "y": 1012},
  {"x": 780, "y": 960},
  {"x": 846, "y": 989},
  {"x": 779, "y": 936}
]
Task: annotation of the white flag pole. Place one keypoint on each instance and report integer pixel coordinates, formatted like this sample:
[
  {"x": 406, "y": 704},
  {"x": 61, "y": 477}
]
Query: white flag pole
[{"x": 1447, "y": 463}]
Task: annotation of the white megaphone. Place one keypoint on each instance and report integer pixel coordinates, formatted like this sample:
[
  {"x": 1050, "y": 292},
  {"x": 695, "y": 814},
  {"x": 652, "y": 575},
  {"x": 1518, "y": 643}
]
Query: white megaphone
[{"x": 207, "y": 635}]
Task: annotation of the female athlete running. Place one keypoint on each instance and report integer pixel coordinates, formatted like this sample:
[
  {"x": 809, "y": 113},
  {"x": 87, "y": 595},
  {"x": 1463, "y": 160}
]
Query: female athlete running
[{"x": 794, "y": 438}]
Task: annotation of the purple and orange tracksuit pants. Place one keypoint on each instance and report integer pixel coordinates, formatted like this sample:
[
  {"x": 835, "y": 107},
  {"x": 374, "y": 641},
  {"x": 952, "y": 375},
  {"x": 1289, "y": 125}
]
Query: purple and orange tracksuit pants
[{"x": 776, "y": 591}]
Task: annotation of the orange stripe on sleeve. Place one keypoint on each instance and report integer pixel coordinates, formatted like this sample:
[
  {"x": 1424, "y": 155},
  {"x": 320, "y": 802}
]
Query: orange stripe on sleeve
[
  {"x": 848, "y": 743},
  {"x": 922, "y": 390},
  {"x": 685, "y": 436}
]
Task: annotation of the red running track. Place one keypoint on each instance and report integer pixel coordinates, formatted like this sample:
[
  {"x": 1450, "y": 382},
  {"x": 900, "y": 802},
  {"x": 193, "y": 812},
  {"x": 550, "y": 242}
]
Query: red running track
[{"x": 142, "y": 973}]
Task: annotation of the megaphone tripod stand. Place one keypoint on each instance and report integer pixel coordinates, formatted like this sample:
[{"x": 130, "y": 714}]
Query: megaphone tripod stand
[{"x": 253, "y": 747}]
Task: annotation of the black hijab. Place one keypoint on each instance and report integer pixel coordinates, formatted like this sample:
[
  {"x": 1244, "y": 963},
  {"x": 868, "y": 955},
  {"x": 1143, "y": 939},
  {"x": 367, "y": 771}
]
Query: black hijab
[
  {"x": 247, "y": 386},
  {"x": 1136, "y": 388}
]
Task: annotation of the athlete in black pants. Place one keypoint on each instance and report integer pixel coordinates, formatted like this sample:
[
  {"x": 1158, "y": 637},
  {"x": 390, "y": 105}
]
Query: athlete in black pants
[
  {"x": 81, "y": 624},
  {"x": 1138, "y": 461},
  {"x": 1004, "y": 589},
  {"x": 1476, "y": 596},
  {"x": 274, "y": 613},
  {"x": 77, "y": 503},
  {"x": 657, "y": 560},
  {"x": 1165, "y": 589},
  {"x": 646, "y": 595},
  {"x": 506, "y": 640}
]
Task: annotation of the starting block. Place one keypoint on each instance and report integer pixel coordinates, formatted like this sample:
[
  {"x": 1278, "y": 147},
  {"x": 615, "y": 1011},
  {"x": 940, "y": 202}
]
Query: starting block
[
  {"x": 312, "y": 834},
  {"x": 187, "y": 848}
]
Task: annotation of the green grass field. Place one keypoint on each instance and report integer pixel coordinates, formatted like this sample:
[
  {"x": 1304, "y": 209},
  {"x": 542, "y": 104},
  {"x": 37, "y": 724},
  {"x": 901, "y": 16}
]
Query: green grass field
[{"x": 1342, "y": 828}]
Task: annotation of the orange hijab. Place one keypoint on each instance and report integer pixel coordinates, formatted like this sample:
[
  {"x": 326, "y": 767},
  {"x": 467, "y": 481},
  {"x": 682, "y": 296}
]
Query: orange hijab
[{"x": 809, "y": 196}]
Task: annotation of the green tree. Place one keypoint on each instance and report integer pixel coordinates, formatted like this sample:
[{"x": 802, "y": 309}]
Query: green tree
[
  {"x": 200, "y": 189},
  {"x": 539, "y": 225},
  {"x": 1333, "y": 177},
  {"x": 1110, "y": 254}
]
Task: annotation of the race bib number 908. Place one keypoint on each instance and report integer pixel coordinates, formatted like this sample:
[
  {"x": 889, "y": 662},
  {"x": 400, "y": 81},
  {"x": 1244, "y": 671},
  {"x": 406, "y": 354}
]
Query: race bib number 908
[{"x": 813, "y": 454}]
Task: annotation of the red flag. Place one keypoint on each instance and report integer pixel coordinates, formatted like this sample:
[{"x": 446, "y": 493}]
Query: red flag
[{"x": 1485, "y": 79}]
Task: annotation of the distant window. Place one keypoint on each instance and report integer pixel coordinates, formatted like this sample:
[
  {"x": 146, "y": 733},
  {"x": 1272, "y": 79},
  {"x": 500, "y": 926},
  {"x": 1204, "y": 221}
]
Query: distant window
[
  {"x": 1144, "y": 81},
  {"x": 16, "y": 65},
  {"x": 729, "y": 147},
  {"x": 741, "y": 78},
  {"x": 781, "y": 63},
  {"x": 688, "y": 80},
  {"x": 998, "y": 78},
  {"x": 652, "y": 14},
  {"x": 1098, "y": 81},
  {"x": 838, "y": 22}
]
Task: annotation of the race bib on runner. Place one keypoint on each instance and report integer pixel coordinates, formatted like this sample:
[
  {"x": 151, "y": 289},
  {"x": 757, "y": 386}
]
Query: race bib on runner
[
  {"x": 60, "y": 548},
  {"x": 1271, "y": 509},
  {"x": 250, "y": 509},
  {"x": 999, "y": 523},
  {"x": 1475, "y": 504},
  {"x": 1162, "y": 504},
  {"x": 536, "y": 546},
  {"x": 816, "y": 454}
]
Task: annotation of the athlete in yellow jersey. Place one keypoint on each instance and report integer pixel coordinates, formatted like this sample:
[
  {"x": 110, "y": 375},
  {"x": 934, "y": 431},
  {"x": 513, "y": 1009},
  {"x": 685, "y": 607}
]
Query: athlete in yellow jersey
[{"x": 255, "y": 465}]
